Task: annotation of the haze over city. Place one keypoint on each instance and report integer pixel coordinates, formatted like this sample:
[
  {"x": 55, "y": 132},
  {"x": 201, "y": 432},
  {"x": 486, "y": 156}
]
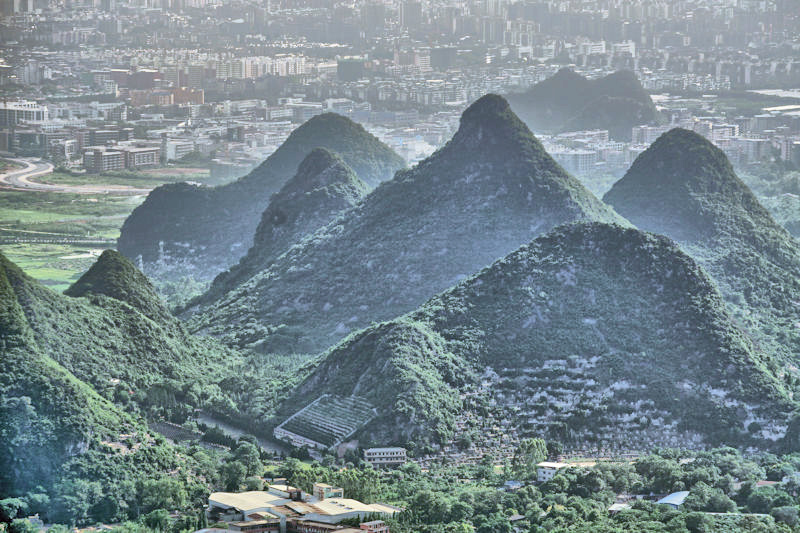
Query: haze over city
[{"x": 380, "y": 266}]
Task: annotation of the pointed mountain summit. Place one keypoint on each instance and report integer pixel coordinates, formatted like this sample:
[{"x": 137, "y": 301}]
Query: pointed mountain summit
[
  {"x": 569, "y": 102},
  {"x": 185, "y": 229},
  {"x": 54, "y": 427},
  {"x": 684, "y": 187},
  {"x": 323, "y": 187},
  {"x": 112, "y": 327},
  {"x": 490, "y": 189},
  {"x": 115, "y": 276},
  {"x": 47, "y": 415},
  {"x": 592, "y": 332},
  {"x": 669, "y": 187}
]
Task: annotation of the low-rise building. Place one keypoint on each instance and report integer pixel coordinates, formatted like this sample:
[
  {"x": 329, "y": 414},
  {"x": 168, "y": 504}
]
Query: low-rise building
[
  {"x": 385, "y": 456},
  {"x": 323, "y": 491},
  {"x": 267, "y": 525},
  {"x": 374, "y": 526},
  {"x": 292, "y": 511},
  {"x": 142, "y": 157},
  {"x": 99, "y": 159},
  {"x": 546, "y": 470}
]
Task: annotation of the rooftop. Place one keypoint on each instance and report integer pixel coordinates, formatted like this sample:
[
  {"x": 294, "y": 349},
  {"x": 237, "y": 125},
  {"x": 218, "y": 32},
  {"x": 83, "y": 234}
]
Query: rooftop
[
  {"x": 676, "y": 498},
  {"x": 547, "y": 464},
  {"x": 245, "y": 501}
]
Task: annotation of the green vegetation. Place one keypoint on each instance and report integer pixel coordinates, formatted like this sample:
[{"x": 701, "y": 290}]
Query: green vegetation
[
  {"x": 627, "y": 307},
  {"x": 323, "y": 187},
  {"x": 489, "y": 190},
  {"x": 568, "y": 102},
  {"x": 55, "y": 237},
  {"x": 466, "y": 498},
  {"x": 114, "y": 276},
  {"x": 785, "y": 209},
  {"x": 685, "y": 188},
  {"x": 129, "y": 349},
  {"x": 206, "y": 230},
  {"x": 143, "y": 179}
]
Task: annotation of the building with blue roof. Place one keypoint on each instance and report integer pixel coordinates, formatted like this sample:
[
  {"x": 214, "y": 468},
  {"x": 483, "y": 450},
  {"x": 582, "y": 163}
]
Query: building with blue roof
[{"x": 675, "y": 499}]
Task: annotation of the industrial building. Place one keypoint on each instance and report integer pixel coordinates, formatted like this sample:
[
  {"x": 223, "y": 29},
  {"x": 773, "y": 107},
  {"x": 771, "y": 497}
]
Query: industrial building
[{"x": 285, "y": 509}]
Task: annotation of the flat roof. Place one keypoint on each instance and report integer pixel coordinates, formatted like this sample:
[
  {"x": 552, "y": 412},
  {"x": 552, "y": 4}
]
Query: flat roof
[
  {"x": 676, "y": 498},
  {"x": 337, "y": 506},
  {"x": 619, "y": 507},
  {"x": 283, "y": 488},
  {"x": 245, "y": 501},
  {"x": 250, "y": 523},
  {"x": 547, "y": 464},
  {"x": 378, "y": 450}
]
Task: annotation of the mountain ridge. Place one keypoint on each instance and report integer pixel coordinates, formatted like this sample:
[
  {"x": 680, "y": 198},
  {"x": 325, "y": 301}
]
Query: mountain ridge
[
  {"x": 489, "y": 189},
  {"x": 684, "y": 187},
  {"x": 322, "y": 187},
  {"x": 200, "y": 231},
  {"x": 597, "y": 319}
]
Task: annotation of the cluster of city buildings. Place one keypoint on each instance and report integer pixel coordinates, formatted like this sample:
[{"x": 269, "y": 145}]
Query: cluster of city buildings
[
  {"x": 285, "y": 509},
  {"x": 230, "y": 80},
  {"x": 774, "y": 133}
]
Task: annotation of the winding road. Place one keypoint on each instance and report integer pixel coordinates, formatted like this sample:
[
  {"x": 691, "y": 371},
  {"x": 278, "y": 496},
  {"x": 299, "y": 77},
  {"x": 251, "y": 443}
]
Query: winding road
[{"x": 22, "y": 179}]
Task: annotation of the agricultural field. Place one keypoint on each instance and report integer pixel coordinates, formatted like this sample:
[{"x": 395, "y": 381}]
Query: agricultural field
[
  {"x": 330, "y": 419},
  {"x": 56, "y": 236},
  {"x": 141, "y": 179}
]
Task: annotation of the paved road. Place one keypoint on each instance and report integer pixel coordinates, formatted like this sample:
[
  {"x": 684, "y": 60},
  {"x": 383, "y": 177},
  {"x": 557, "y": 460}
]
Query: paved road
[{"x": 22, "y": 178}]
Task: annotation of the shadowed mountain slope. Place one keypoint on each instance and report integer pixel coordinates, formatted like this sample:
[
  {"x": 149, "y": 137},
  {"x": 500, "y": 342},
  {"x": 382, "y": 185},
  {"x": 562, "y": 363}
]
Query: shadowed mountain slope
[
  {"x": 684, "y": 187},
  {"x": 188, "y": 229},
  {"x": 490, "y": 189},
  {"x": 323, "y": 187},
  {"x": 590, "y": 333}
]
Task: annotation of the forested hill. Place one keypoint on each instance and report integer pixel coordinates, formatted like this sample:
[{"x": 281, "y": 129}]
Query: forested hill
[
  {"x": 590, "y": 333},
  {"x": 123, "y": 344},
  {"x": 61, "y": 442},
  {"x": 684, "y": 187},
  {"x": 569, "y": 102},
  {"x": 323, "y": 187},
  {"x": 202, "y": 231},
  {"x": 490, "y": 189},
  {"x": 115, "y": 276}
]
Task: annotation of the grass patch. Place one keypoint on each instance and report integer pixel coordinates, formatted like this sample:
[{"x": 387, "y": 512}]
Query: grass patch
[
  {"x": 43, "y": 232},
  {"x": 148, "y": 179}
]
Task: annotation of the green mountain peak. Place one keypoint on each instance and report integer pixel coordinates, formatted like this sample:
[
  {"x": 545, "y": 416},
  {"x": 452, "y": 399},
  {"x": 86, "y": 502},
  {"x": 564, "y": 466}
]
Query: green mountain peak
[
  {"x": 114, "y": 275},
  {"x": 323, "y": 187},
  {"x": 684, "y": 187}
]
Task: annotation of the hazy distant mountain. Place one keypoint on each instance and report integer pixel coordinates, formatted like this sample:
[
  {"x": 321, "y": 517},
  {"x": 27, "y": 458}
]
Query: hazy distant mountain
[
  {"x": 569, "y": 102},
  {"x": 684, "y": 187},
  {"x": 205, "y": 230},
  {"x": 593, "y": 333},
  {"x": 490, "y": 189},
  {"x": 323, "y": 186}
]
